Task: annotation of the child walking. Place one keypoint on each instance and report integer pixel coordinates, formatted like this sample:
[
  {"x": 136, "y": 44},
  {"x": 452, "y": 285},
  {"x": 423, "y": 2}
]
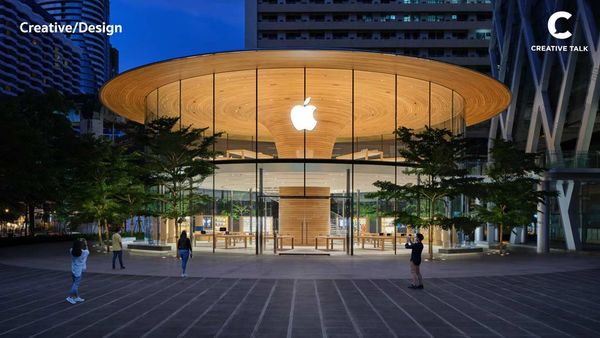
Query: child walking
[{"x": 79, "y": 255}]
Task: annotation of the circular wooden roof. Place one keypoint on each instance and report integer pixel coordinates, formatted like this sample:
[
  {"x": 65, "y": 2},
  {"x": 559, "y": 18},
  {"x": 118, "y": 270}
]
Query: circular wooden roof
[{"x": 454, "y": 91}]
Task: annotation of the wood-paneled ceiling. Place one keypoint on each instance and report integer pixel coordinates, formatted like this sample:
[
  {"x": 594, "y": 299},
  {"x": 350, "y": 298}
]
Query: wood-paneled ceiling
[{"x": 454, "y": 90}]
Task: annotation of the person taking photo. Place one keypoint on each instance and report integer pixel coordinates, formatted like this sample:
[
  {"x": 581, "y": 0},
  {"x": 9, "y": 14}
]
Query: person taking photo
[{"x": 415, "y": 260}]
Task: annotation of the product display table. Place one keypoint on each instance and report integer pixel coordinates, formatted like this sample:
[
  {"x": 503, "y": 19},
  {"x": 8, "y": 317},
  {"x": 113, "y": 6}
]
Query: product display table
[{"x": 329, "y": 241}]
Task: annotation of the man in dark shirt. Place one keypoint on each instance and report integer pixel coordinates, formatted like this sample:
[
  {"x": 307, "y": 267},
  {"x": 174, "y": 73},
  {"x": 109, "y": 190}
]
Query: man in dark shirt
[{"x": 415, "y": 260}]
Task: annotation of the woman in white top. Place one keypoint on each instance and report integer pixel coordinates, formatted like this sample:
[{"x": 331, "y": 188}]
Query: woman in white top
[{"x": 79, "y": 255}]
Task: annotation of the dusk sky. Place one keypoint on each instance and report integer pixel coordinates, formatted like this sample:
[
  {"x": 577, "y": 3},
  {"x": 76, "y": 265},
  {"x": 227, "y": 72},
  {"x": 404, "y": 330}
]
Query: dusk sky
[{"x": 155, "y": 30}]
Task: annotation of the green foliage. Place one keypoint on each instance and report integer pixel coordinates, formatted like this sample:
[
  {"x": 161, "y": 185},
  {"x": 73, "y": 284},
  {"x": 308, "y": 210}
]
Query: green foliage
[
  {"x": 35, "y": 144},
  {"x": 462, "y": 223},
  {"x": 436, "y": 157},
  {"x": 96, "y": 182},
  {"x": 88, "y": 179},
  {"x": 177, "y": 159},
  {"x": 510, "y": 196}
]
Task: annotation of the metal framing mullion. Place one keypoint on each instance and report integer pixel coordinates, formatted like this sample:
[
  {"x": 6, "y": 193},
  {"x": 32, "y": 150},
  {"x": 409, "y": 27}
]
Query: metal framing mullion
[
  {"x": 429, "y": 107},
  {"x": 258, "y": 241},
  {"x": 352, "y": 178},
  {"x": 214, "y": 176},
  {"x": 304, "y": 133},
  {"x": 395, "y": 158},
  {"x": 452, "y": 114},
  {"x": 179, "y": 104}
]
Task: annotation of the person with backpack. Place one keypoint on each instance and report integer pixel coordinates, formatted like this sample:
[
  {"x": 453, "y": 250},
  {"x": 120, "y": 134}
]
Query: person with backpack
[
  {"x": 415, "y": 260},
  {"x": 79, "y": 255},
  {"x": 185, "y": 251}
]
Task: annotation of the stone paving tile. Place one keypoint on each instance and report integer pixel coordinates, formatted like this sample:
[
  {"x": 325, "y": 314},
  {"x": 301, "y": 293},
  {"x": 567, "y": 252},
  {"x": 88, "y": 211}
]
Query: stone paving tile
[{"x": 537, "y": 305}]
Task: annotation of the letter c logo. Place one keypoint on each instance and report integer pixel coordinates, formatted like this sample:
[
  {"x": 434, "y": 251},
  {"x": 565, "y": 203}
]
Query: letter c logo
[{"x": 552, "y": 25}]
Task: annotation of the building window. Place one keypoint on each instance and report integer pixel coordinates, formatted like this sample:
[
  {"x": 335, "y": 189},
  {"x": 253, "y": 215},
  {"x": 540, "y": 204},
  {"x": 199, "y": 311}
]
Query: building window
[
  {"x": 340, "y": 35},
  {"x": 436, "y": 52},
  {"x": 268, "y": 18},
  {"x": 483, "y": 34},
  {"x": 435, "y": 35},
  {"x": 388, "y": 18},
  {"x": 293, "y": 18},
  {"x": 435, "y": 18},
  {"x": 484, "y": 17},
  {"x": 340, "y": 18},
  {"x": 268, "y": 36},
  {"x": 364, "y": 35},
  {"x": 317, "y": 18},
  {"x": 366, "y": 18},
  {"x": 459, "y": 35},
  {"x": 292, "y": 36},
  {"x": 387, "y": 35},
  {"x": 460, "y": 53}
]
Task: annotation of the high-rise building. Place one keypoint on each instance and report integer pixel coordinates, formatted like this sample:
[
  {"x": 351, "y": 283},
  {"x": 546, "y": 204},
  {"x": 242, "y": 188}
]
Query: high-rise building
[
  {"x": 454, "y": 31},
  {"x": 554, "y": 106},
  {"x": 34, "y": 61},
  {"x": 99, "y": 60},
  {"x": 95, "y": 59}
]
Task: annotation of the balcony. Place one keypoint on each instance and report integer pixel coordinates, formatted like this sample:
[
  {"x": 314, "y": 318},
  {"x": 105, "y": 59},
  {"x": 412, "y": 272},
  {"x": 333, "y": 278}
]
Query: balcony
[
  {"x": 397, "y": 7},
  {"x": 362, "y": 25},
  {"x": 571, "y": 160}
]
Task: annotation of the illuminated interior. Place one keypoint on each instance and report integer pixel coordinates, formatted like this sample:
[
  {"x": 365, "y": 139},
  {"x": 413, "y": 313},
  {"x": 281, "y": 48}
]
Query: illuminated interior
[{"x": 291, "y": 181}]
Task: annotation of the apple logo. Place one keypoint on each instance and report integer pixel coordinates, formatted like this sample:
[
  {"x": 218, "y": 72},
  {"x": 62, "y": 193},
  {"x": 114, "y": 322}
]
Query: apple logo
[{"x": 302, "y": 116}]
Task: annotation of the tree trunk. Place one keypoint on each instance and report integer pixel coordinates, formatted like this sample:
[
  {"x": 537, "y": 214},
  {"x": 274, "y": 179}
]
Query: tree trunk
[
  {"x": 177, "y": 238},
  {"x": 31, "y": 218},
  {"x": 430, "y": 241},
  {"x": 500, "y": 239},
  {"x": 107, "y": 234},
  {"x": 139, "y": 222},
  {"x": 99, "y": 226}
]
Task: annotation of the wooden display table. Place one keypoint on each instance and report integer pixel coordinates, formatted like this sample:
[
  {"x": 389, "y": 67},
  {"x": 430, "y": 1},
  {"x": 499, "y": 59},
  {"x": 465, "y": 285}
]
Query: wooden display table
[
  {"x": 199, "y": 236},
  {"x": 232, "y": 239},
  {"x": 329, "y": 241},
  {"x": 378, "y": 241},
  {"x": 280, "y": 239}
]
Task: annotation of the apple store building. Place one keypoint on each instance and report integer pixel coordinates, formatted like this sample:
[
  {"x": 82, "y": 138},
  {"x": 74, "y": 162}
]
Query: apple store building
[{"x": 305, "y": 134}]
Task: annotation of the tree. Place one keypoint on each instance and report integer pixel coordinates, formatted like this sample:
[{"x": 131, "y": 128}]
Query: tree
[
  {"x": 98, "y": 182},
  {"x": 36, "y": 141},
  {"x": 466, "y": 224},
  {"x": 135, "y": 190},
  {"x": 437, "y": 159},
  {"x": 510, "y": 196},
  {"x": 177, "y": 159}
]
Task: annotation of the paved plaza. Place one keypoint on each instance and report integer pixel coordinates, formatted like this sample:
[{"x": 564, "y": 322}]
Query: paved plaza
[{"x": 558, "y": 296}]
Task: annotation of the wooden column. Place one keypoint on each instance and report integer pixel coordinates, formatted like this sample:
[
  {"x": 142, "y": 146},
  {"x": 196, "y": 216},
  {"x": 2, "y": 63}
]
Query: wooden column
[{"x": 304, "y": 218}]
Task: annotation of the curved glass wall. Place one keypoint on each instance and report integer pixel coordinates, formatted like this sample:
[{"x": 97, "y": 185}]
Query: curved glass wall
[{"x": 299, "y": 153}]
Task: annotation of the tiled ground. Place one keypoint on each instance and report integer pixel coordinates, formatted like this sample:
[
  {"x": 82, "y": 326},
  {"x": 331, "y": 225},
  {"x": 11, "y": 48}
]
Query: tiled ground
[{"x": 561, "y": 304}]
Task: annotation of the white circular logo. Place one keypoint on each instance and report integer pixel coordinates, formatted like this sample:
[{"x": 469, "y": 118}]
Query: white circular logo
[{"x": 552, "y": 25}]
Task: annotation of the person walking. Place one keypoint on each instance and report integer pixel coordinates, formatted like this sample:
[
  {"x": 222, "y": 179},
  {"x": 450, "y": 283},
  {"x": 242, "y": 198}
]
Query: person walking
[
  {"x": 415, "y": 260},
  {"x": 79, "y": 255},
  {"x": 117, "y": 247},
  {"x": 185, "y": 251}
]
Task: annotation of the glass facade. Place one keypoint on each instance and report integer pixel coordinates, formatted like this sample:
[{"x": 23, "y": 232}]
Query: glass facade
[{"x": 279, "y": 186}]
